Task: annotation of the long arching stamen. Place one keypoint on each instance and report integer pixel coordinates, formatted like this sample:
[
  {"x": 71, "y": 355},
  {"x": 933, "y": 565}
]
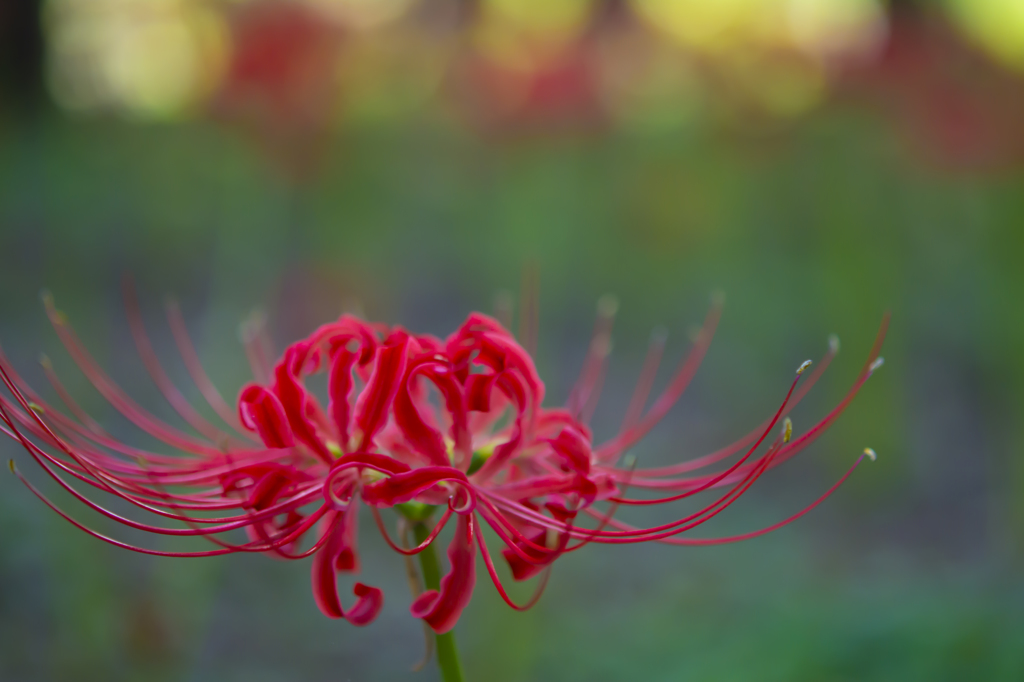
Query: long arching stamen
[
  {"x": 195, "y": 369},
  {"x": 65, "y": 397},
  {"x": 698, "y": 542},
  {"x": 501, "y": 588},
  {"x": 711, "y": 481},
  {"x": 615, "y": 447},
  {"x": 645, "y": 382},
  {"x": 529, "y": 308},
  {"x": 438, "y": 527},
  {"x": 733, "y": 448},
  {"x": 157, "y": 373},
  {"x": 588, "y": 385},
  {"x": 115, "y": 396}
]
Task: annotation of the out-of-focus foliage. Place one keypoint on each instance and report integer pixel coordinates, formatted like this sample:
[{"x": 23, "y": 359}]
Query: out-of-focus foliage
[
  {"x": 166, "y": 58},
  {"x": 160, "y": 59},
  {"x": 408, "y": 158}
]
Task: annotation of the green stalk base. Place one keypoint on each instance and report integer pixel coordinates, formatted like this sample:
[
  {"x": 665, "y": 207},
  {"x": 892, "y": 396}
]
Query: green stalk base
[{"x": 447, "y": 653}]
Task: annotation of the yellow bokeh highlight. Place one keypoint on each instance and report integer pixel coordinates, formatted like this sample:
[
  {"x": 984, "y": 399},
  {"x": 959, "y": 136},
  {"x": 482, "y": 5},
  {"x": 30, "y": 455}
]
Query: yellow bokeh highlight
[
  {"x": 835, "y": 27},
  {"x": 541, "y": 16},
  {"x": 774, "y": 54},
  {"x": 154, "y": 59},
  {"x": 818, "y": 27},
  {"x": 524, "y": 35},
  {"x": 363, "y": 14},
  {"x": 654, "y": 64},
  {"x": 998, "y": 25},
  {"x": 710, "y": 25}
]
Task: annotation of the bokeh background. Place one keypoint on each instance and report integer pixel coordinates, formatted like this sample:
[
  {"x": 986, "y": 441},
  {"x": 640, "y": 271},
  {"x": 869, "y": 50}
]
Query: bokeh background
[{"x": 820, "y": 161}]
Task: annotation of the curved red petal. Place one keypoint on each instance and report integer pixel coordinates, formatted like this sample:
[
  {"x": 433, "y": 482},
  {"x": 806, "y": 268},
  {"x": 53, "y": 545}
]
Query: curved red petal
[
  {"x": 441, "y": 609},
  {"x": 339, "y": 386},
  {"x": 404, "y": 487},
  {"x": 261, "y": 411},
  {"x": 376, "y": 398},
  {"x": 339, "y": 554}
]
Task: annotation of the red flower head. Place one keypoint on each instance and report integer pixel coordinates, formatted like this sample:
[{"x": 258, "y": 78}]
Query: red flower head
[{"x": 454, "y": 428}]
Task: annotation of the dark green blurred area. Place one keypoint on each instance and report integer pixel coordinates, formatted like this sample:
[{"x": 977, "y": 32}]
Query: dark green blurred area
[{"x": 912, "y": 571}]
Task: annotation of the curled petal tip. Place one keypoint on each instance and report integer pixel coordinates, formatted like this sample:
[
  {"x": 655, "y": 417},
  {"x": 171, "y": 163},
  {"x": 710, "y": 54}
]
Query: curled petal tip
[
  {"x": 804, "y": 366},
  {"x": 833, "y": 343},
  {"x": 787, "y": 430},
  {"x": 608, "y": 305},
  {"x": 870, "y": 454},
  {"x": 876, "y": 364}
]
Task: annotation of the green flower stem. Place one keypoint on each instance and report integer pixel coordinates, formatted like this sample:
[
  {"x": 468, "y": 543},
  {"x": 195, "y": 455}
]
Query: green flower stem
[{"x": 447, "y": 652}]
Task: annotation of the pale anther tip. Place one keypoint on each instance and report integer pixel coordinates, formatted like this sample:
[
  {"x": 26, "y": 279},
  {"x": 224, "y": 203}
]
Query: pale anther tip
[
  {"x": 718, "y": 297},
  {"x": 804, "y": 366},
  {"x": 44, "y": 360},
  {"x": 10, "y": 465},
  {"x": 870, "y": 454},
  {"x": 876, "y": 364},
  {"x": 51, "y": 307},
  {"x": 608, "y": 305},
  {"x": 787, "y": 430},
  {"x": 833, "y": 343},
  {"x": 36, "y": 407}
]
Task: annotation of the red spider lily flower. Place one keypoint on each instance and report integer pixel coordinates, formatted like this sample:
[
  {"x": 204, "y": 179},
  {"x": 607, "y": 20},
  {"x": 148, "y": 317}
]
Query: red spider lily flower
[{"x": 414, "y": 423}]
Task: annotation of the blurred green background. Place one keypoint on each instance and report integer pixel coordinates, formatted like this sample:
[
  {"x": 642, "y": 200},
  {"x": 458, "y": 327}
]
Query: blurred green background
[{"x": 819, "y": 161}]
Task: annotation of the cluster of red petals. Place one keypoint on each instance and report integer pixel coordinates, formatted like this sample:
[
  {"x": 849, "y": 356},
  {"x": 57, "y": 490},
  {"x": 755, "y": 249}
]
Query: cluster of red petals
[{"x": 457, "y": 424}]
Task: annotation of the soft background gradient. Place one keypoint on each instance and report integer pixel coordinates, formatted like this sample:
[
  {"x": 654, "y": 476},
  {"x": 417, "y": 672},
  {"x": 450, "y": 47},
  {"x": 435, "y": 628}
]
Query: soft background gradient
[{"x": 820, "y": 161}]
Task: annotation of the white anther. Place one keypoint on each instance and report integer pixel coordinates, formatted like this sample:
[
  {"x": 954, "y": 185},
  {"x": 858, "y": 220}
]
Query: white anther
[{"x": 801, "y": 368}]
